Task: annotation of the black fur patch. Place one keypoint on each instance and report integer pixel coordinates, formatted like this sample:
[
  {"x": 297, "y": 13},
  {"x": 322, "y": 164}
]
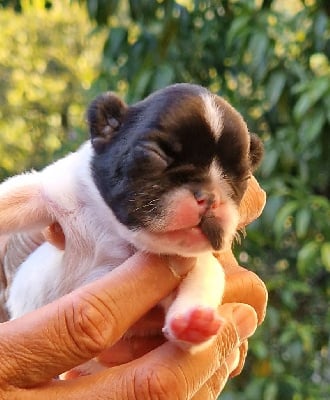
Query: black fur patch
[{"x": 212, "y": 230}]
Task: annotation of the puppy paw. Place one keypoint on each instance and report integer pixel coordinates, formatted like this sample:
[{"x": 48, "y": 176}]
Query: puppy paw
[{"x": 196, "y": 326}]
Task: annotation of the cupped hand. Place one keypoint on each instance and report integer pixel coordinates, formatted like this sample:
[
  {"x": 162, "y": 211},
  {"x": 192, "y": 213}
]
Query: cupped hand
[
  {"x": 83, "y": 324},
  {"x": 91, "y": 321}
]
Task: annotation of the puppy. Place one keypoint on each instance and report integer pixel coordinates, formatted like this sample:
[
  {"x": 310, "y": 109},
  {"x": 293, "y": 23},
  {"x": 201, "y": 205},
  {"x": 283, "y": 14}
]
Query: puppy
[{"x": 165, "y": 175}]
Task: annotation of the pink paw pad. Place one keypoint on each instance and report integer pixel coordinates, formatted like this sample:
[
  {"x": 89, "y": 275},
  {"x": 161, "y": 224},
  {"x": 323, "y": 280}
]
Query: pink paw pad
[{"x": 196, "y": 326}]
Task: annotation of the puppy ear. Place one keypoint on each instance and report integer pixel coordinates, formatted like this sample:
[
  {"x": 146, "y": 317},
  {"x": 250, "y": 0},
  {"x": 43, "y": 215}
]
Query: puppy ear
[
  {"x": 105, "y": 116},
  {"x": 256, "y": 151}
]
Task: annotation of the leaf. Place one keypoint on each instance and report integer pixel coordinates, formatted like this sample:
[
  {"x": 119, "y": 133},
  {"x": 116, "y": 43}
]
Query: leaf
[
  {"x": 318, "y": 88},
  {"x": 237, "y": 27},
  {"x": 163, "y": 76},
  {"x": 311, "y": 126},
  {"x": 269, "y": 163},
  {"x": 326, "y": 101},
  {"x": 141, "y": 82},
  {"x": 306, "y": 259},
  {"x": 258, "y": 45},
  {"x": 302, "y": 105},
  {"x": 92, "y": 6},
  {"x": 300, "y": 87},
  {"x": 271, "y": 391},
  {"x": 302, "y": 219},
  {"x": 115, "y": 42},
  {"x": 261, "y": 350},
  {"x": 275, "y": 87},
  {"x": 325, "y": 255},
  {"x": 315, "y": 91},
  {"x": 286, "y": 211}
]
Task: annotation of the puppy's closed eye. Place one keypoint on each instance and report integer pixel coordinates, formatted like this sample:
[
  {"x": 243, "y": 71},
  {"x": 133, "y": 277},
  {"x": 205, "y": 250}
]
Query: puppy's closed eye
[{"x": 155, "y": 154}]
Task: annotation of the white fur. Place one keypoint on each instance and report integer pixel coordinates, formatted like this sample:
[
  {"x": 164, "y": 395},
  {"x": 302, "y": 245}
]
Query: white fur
[
  {"x": 202, "y": 286},
  {"x": 49, "y": 275},
  {"x": 214, "y": 114},
  {"x": 93, "y": 246}
]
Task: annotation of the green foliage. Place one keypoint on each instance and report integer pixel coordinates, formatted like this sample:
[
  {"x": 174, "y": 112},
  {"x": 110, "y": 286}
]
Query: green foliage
[
  {"x": 270, "y": 59},
  {"x": 47, "y": 63},
  {"x": 272, "y": 63}
]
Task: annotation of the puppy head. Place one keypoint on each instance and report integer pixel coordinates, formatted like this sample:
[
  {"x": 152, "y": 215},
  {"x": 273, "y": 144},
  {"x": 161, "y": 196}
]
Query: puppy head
[{"x": 174, "y": 168}]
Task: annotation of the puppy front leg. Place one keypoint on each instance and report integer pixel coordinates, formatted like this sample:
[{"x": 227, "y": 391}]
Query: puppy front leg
[
  {"x": 192, "y": 320},
  {"x": 22, "y": 204}
]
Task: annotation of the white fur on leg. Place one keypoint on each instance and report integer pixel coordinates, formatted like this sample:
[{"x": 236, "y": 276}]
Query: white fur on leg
[
  {"x": 203, "y": 287},
  {"x": 38, "y": 278},
  {"x": 22, "y": 205}
]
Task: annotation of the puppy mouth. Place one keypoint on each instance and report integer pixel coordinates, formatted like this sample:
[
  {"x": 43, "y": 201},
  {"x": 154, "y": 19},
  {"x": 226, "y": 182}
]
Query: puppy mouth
[{"x": 207, "y": 230}]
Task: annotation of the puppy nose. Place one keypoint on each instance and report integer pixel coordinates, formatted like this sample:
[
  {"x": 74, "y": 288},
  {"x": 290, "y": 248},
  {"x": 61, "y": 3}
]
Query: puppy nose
[{"x": 205, "y": 199}]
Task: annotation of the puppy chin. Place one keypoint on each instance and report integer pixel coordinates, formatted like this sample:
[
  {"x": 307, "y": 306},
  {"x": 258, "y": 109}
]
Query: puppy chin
[
  {"x": 187, "y": 242},
  {"x": 188, "y": 227}
]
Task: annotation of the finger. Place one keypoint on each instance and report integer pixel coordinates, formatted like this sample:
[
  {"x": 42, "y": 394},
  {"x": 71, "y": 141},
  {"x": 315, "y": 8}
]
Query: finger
[
  {"x": 129, "y": 349},
  {"x": 215, "y": 385},
  {"x": 164, "y": 370},
  {"x": 80, "y": 325},
  {"x": 171, "y": 370},
  {"x": 137, "y": 343},
  {"x": 252, "y": 204},
  {"x": 236, "y": 368},
  {"x": 244, "y": 286},
  {"x": 122, "y": 352}
]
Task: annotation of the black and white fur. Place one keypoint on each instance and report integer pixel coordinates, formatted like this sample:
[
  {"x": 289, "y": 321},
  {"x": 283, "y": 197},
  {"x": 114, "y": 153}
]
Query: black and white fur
[{"x": 165, "y": 175}]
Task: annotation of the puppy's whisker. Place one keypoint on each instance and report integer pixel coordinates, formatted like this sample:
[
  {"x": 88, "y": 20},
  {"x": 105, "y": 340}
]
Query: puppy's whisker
[
  {"x": 239, "y": 235},
  {"x": 147, "y": 205}
]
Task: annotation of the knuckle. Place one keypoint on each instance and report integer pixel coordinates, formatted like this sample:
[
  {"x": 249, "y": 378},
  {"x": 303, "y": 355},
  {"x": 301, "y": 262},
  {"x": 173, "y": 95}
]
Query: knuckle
[
  {"x": 227, "y": 341},
  {"x": 260, "y": 295},
  {"x": 90, "y": 323},
  {"x": 243, "y": 349},
  {"x": 262, "y": 304},
  {"x": 158, "y": 383},
  {"x": 218, "y": 381},
  {"x": 246, "y": 287}
]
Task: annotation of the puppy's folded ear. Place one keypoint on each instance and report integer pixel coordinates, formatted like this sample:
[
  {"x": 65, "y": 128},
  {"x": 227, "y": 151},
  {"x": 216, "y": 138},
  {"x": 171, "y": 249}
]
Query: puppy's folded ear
[
  {"x": 256, "y": 151},
  {"x": 105, "y": 116}
]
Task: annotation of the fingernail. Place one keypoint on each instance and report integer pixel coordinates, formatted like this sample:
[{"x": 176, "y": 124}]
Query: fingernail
[
  {"x": 246, "y": 320},
  {"x": 180, "y": 266}
]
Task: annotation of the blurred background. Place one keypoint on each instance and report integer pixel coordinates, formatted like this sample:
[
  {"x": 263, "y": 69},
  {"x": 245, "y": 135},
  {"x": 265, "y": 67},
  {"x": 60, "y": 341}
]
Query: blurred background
[{"x": 270, "y": 59}]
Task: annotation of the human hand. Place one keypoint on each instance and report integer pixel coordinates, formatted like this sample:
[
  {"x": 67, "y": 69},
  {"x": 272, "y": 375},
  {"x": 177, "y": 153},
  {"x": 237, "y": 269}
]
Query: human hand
[
  {"x": 81, "y": 325},
  {"x": 179, "y": 373}
]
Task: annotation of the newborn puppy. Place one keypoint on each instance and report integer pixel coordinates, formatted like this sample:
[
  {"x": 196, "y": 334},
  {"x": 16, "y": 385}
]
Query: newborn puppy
[{"x": 165, "y": 175}]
